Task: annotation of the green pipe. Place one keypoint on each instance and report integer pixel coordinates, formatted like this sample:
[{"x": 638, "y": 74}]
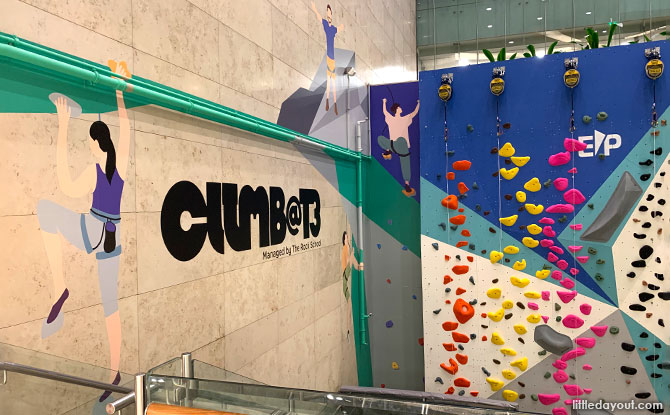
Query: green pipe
[
  {"x": 19, "y": 49},
  {"x": 361, "y": 280}
]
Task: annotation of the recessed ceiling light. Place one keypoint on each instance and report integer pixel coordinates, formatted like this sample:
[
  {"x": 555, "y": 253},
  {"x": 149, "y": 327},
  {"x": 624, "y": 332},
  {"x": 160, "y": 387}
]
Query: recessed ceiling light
[
  {"x": 604, "y": 31},
  {"x": 588, "y": 12},
  {"x": 511, "y": 42},
  {"x": 490, "y": 26},
  {"x": 488, "y": 9},
  {"x": 539, "y": 18}
]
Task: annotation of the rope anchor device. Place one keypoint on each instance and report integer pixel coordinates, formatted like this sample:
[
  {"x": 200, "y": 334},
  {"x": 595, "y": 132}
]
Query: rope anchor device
[
  {"x": 654, "y": 70},
  {"x": 571, "y": 80}
]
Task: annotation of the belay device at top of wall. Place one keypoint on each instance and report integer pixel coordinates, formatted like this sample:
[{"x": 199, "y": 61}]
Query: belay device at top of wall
[{"x": 444, "y": 92}]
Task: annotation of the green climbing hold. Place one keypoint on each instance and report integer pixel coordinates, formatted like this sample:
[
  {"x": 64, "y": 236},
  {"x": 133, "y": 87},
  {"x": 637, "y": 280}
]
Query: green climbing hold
[
  {"x": 547, "y": 183},
  {"x": 542, "y": 352},
  {"x": 478, "y": 207},
  {"x": 601, "y": 116},
  {"x": 562, "y": 219},
  {"x": 545, "y": 266},
  {"x": 451, "y": 153},
  {"x": 557, "y": 307},
  {"x": 572, "y": 376},
  {"x": 586, "y": 119},
  {"x": 614, "y": 330},
  {"x": 533, "y": 397},
  {"x": 602, "y": 156},
  {"x": 592, "y": 251},
  {"x": 547, "y": 375},
  {"x": 559, "y": 318},
  {"x": 599, "y": 277},
  {"x": 470, "y": 128},
  {"x": 590, "y": 205},
  {"x": 600, "y": 261},
  {"x": 475, "y": 185}
]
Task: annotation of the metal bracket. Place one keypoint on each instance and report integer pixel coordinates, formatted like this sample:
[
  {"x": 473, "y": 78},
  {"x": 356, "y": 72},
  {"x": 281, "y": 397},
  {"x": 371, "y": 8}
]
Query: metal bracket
[{"x": 4, "y": 377}]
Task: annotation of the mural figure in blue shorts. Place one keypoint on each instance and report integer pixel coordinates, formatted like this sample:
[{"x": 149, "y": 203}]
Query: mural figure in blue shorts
[
  {"x": 96, "y": 231},
  {"x": 398, "y": 140},
  {"x": 330, "y": 30}
]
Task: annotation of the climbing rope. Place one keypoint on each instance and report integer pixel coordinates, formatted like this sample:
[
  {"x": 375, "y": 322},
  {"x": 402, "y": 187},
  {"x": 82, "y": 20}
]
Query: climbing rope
[{"x": 499, "y": 132}]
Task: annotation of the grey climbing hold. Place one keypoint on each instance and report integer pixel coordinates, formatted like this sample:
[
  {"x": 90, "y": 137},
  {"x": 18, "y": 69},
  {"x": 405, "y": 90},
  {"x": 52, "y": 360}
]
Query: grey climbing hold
[
  {"x": 461, "y": 392},
  {"x": 453, "y": 227},
  {"x": 586, "y": 119},
  {"x": 435, "y": 246},
  {"x": 571, "y": 376},
  {"x": 471, "y": 246},
  {"x": 557, "y": 307},
  {"x": 547, "y": 183},
  {"x": 472, "y": 280},
  {"x": 542, "y": 352},
  {"x": 473, "y": 302},
  {"x": 439, "y": 380},
  {"x": 601, "y": 116},
  {"x": 551, "y": 340},
  {"x": 451, "y": 153},
  {"x": 617, "y": 207},
  {"x": 665, "y": 365},
  {"x": 460, "y": 347},
  {"x": 600, "y": 261},
  {"x": 562, "y": 219},
  {"x": 473, "y": 336},
  {"x": 486, "y": 372},
  {"x": 447, "y": 290},
  {"x": 599, "y": 277},
  {"x": 478, "y": 207},
  {"x": 546, "y": 266},
  {"x": 475, "y": 185},
  {"x": 443, "y": 226},
  {"x": 559, "y": 318},
  {"x": 437, "y": 311}
]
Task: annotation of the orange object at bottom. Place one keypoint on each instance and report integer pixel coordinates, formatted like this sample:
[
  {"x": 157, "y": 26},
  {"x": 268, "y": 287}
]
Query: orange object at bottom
[{"x": 162, "y": 409}]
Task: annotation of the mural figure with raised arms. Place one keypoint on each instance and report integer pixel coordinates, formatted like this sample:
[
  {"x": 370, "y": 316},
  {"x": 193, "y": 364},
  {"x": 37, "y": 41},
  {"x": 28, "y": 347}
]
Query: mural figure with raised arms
[
  {"x": 96, "y": 231},
  {"x": 398, "y": 140},
  {"x": 330, "y": 31},
  {"x": 348, "y": 260}
]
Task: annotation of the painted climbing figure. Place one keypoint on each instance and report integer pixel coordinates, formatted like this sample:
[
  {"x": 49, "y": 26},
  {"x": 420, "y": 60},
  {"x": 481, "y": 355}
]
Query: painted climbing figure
[
  {"x": 96, "y": 231},
  {"x": 398, "y": 141},
  {"x": 330, "y": 30},
  {"x": 348, "y": 261}
]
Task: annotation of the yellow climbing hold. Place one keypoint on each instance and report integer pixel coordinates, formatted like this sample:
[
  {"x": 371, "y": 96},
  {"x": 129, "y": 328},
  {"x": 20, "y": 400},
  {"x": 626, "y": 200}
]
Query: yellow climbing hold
[
  {"x": 520, "y": 329},
  {"x": 533, "y": 229},
  {"x": 509, "y": 174},
  {"x": 520, "y": 161},
  {"x": 497, "y": 339},
  {"x": 533, "y": 209},
  {"x": 530, "y": 242},
  {"x": 532, "y": 294},
  {"x": 395, "y": 366},
  {"x": 533, "y": 185},
  {"x": 496, "y": 384},
  {"x": 522, "y": 363},
  {"x": 543, "y": 273},
  {"x": 510, "y": 395},
  {"x": 508, "y": 351},
  {"x": 533, "y": 318},
  {"x": 519, "y": 265},
  {"x": 519, "y": 282},
  {"x": 507, "y": 304},
  {"x": 510, "y": 220},
  {"x": 497, "y": 315},
  {"x": 520, "y": 196},
  {"x": 493, "y": 292},
  {"x": 506, "y": 150},
  {"x": 511, "y": 249},
  {"x": 496, "y": 256},
  {"x": 508, "y": 374}
]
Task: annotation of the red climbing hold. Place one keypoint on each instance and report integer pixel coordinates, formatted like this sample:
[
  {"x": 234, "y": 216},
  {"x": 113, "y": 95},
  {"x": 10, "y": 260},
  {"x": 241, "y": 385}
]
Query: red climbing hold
[
  {"x": 461, "y": 210},
  {"x": 484, "y": 338},
  {"x": 449, "y": 347},
  {"x": 460, "y": 290},
  {"x": 447, "y": 279},
  {"x": 461, "y": 165},
  {"x": 452, "y": 368},
  {"x": 483, "y": 315},
  {"x": 462, "y": 359},
  {"x": 388, "y": 280},
  {"x": 421, "y": 341},
  {"x": 383, "y": 385},
  {"x": 450, "y": 391},
  {"x": 463, "y": 311},
  {"x": 460, "y": 337},
  {"x": 474, "y": 393},
  {"x": 466, "y": 233},
  {"x": 457, "y": 220},
  {"x": 462, "y": 382},
  {"x": 450, "y": 202},
  {"x": 449, "y": 325},
  {"x": 470, "y": 258},
  {"x": 461, "y": 243},
  {"x": 460, "y": 269},
  {"x": 447, "y": 257},
  {"x": 451, "y": 175},
  {"x": 448, "y": 302},
  {"x": 462, "y": 188}
]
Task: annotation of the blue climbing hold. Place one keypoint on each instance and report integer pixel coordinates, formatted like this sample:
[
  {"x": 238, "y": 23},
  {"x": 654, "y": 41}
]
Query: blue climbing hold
[
  {"x": 404, "y": 248},
  {"x": 379, "y": 246},
  {"x": 389, "y": 324},
  {"x": 414, "y": 296}
]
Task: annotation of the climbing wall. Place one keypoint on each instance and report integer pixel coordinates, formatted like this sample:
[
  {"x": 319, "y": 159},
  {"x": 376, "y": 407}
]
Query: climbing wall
[{"x": 542, "y": 249}]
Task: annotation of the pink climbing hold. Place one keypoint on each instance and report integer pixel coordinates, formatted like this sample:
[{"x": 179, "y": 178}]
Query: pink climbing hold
[
  {"x": 557, "y": 249},
  {"x": 546, "y": 295},
  {"x": 588, "y": 390},
  {"x": 583, "y": 259},
  {"x": 568, "y": 401},
  {"x": 533, "y": 306},
  {"x": 559, "y": 411},
  {"x": 573, "y": 170},
  {"x": 568, "y": 283},
  {"x": 587, "y": 342},
  {"x": 557, "y": 275},
  {"x": 548, "y": 232},
  {"x": 560, "y": 376},
  {"x": 566, "y": 296},
  {"x": 577, "y": 227},
  {"x": 562, "y": 264},
  {"x": 559, "y": 364},
  {"x": 585, "y": 308},
  {"x": 545, "y": 319},
  {"x": 561, "y": 183},
  {"x": 559, "y": 159},
  {"x": 572, "y": 321},
  {"x": 587, "y": 367},
  {"x": 599, "y": 330},
  {"x": 548, "y": 399},
  {"x": 574, "y": 197},
  {"x": 571, "y": 144},
  {"x": 546, "y": 243},
  {"x": 574, "y": 271},
  {"x": 573, "y": 354},
  {"x": 551, "y": 257},
  {"x": 560, "y": 208},
  {"x": 547, "y": 221},
  {"x": 575, "y": 248},
  {"x": 573, "y": 390}
]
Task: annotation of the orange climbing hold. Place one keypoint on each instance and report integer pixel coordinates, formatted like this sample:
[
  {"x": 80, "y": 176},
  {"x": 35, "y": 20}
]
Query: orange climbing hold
[
  {"x": 452, "y": 368},
  {"x": 447, "y": 279},
  {"x": 483, "y": 315},
  {"x": 449, "y": 325},
  {"x": 449, "y": 347},
  {"x": 461, "y": 210},
  {"x": 462, "y": 382},
  {"x": 457, "y": 220},
  {"x": 450, "y": 391},
  {"x": 466, "y": 233},
  {"x": 463, "y": 311},
  {"x": 461, "y": 243},
  {"x": 462, "y": 188},
  {"x": 470, "y": 258},
  {"x": 460, "y": 269},
  {"x": 460, "y": 337},
  {"x": 448, "y": 301},
  {"x": 484, "y": 338},
  {"x": 462, "y": 359},
  {"x": 460, "y": 290},
  {"x": 447, "y": 257},
  {"x": 461, "y": 165},
  {"x": 451, "y": 175},
  {"x": 421, "y": 341},
  {"x": 474, "y": 393},
  {"x": 450, "y": 202}
]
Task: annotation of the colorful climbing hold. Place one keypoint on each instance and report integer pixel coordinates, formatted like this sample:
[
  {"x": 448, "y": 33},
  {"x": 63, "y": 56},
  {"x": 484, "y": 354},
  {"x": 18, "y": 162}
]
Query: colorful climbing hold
[
  {"x": 497, "y": 339},
  {"x": 495, "y": 256},
  {"x": 462, "y": 382},
  {"x": 559, "y": 159},
  {"x": 520, "y": 196},
  {"x": 462, "y": 188},
  {"x": 460, "y": 337},
  {"x": 520, "y": 329},
  {"x": 507, "y": 150},
  {"x": 450, "y": 202},
  {"x": 509, "y": 174},
  {"x": 571, "y": 144},
  {"x": 460, "y": 269},
  {"x": 543, "y": 273},
  {"x": 496, "y": 384},
  {"x": 533, "y": 318},
  {"x": 508, "y": 351},
  {"x": 533, "y": 185},
  {"x": 560, "y": 208},
  {"x": 496, "y": 315},
  {"x": 572, "y": 321},
  {"x": 507, "y": 304},
  {"x": 530, "y": 242},
  {"x": 574, "y": 197},
  {"x": 509, "y": 220},
  {"x": 521, "y": 364},
  {"x": 508, "y": 374},
  {"x": 449, "y": 325},
  {"x": 457, "y": 220},
  {"x": 494, "y": 292},
  {"x": 461, "y": 165},
  {"x": 533, "y": 209},
  {"x": 463, "y": 311},
  {"x": 532, "y": 294},
  {"x": 520, "y": 161}
]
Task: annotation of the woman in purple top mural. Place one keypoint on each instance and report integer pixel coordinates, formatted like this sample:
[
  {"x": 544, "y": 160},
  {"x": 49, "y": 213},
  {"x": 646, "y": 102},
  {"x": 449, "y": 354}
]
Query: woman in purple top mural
[{"x": 97, "y": 231}]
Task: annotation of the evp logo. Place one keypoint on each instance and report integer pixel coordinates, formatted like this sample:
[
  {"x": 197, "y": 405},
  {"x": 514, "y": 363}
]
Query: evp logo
[{"x": 597, "y": 141}]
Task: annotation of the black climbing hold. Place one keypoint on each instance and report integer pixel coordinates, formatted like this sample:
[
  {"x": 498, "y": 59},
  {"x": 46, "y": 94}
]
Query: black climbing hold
[
  {"x": 471, "y": 246},
  {"x": 643, "y": 208},
  {"x": 656, "y": 214},
  {"x": 470, "y": 128},
  {"x": 647, "y": 162},
  {"x": 659, "y": 276},
  {"x": 447, "y": 290},
  {"x": 639, "y": 264},
  {"x": 443, "y": 226},
  {"x": 661, "y": 323},
  {"x": 483, "y": 251},
  {"x": 599, "y": 276},
  {"x": 627, "y": 346},
  {"x": 450, "y": 153},
  {"x": 520, "y": 305},
  {"x": 475, "y": 186},
  {"x": 473, "y": 302},
  {"x": 461, "y": 392},
  {"x": 484, "y": 326},
  {"x": 637, "y": 307},
  {"x": 602, "y": 156},
  {"x": 650, "y": 197},
  {"x": 508, "y": 161},
  {"x": 523, "y": 385},
  {"x": 600, "y": 261},
  {"x": 661, "y": 202},
  {"x": 437, "y": 311},
  {"x": 572, "y": 376},
  {"x": 657, "y": 345},
  {"x": 435, "y": 246},
  {"x": 521, "y": 340},
  {"x": 494, "y": 150},
  {"x": 483, "y": 303},
  {"x": 631, "y": 274},
  {"x": 652, "y": 357},
  {"x": 473, "y": 336},
  {"x": 653, "y": 287},
  {"x": 492, "y": 230},
  {"x": 646, "y": 225},
  {"x": 472, "y": 280},
  {"x": 658, "y": 151},
  {"x": 460, "y": 347},
  {"x": 506, "y": 259},
  {"x": 508, "y": 316},
  {"x": 644, "y": 335},
  {"x": 645, "y": 296},
  {"x": 439, "y": 380},
  {"x": 658, "y": 260},
  {"x": 657, "y": 185},
  {"x": 486, "y": 372},
  {"x": 496, "y": 361},
  {"x": 495, "y": 174},
  {"x": 438, "y": 176},
  {"x": 665, "y": 295},
  {"x": 653, "y": 409},
  {"x": 559, "y": 318},
  {"x": 508, "y": 197},
  {"x": 453, "y": 227},
  {"x": 590, "y": 205},
  {"x": 642, "y": 395},
  {"x": 542, "y": 352},
  {"x": 495, "y": 280},
  {"x": 522, "y": 396},
  {"x": 645, "y": 177},
  {"x": 487, "y": 212},
  {"x": 547, "y": 375},
  {"x": 655, "y": 375},
  {"x": 627, "y": 370},
  {"x": 664, "y": 365}
]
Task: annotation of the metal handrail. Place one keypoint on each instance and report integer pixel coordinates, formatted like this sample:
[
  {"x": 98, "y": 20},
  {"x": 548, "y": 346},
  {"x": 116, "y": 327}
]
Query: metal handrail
[{"x": 61, "y": 377}]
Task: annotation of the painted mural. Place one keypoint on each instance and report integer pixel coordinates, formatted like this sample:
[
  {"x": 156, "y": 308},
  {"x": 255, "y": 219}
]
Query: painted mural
[{"x": 543, "y": 225}]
